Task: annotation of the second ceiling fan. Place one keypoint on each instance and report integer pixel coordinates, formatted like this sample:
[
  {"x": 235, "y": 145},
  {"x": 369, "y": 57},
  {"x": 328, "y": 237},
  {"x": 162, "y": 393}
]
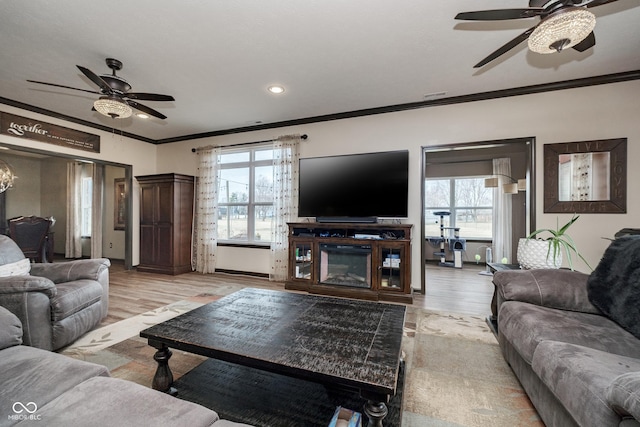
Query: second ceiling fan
[{"x": 564, "y": 24}]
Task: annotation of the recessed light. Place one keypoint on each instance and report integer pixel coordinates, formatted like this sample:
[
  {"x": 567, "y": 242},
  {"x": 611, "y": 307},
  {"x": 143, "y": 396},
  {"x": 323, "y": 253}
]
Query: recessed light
[
  {"x": 276, "y": 89},
  {"x": 142, "y": 115}
]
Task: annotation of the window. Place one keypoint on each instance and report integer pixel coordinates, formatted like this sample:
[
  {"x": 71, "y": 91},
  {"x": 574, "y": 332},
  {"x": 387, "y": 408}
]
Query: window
[
  {"x": 86, "y": 199},
  {"x": 245, "y": 196},
  {"x": 468, "y": 201}
]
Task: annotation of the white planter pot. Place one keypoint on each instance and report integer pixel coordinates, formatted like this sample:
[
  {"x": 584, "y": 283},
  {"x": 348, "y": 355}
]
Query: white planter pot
[{"x": 532, "y": 254}]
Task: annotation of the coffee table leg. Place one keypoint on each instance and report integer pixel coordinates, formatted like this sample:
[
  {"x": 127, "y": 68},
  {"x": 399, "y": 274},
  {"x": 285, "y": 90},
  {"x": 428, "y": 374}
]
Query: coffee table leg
[
  {"x": 376, "y": 411},
  {"x": 163, "y": 379}
]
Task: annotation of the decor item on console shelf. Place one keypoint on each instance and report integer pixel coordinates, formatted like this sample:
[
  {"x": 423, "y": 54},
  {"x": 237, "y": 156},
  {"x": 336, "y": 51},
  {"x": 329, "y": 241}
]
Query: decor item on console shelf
[
  {"x": 367, "y": 261},
  {"x": 537, "y": 253}
]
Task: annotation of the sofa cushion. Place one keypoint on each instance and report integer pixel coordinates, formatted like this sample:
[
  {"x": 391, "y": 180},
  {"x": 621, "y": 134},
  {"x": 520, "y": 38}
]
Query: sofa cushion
[
  {"x": 73, "y": 297},
  {"x": 99, "y": 399},
  {"x": 21, "y": 284},
  {"x": 10, "y": 329},
  {"x": 60, "y": 272},
  {"x": 18, "y": 268},
  {"x": 29, "y": 374},
  {"x": 563, "y": 289},
  {"x": 9, "y": 250},
  {"x": 525, "y": 326},
  {"x": 614, "y": 286},
  {"x": 66, "y": 331},
  {"x": 579, "y": 377},
  {"x": 623, "y": 394}
]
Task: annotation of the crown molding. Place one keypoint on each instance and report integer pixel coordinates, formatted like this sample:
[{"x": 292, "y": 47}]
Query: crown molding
[{"x": 482, "y": 96}]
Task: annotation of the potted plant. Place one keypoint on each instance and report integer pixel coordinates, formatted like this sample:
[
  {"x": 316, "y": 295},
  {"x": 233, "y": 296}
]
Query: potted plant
[{"x": 536, "y": 252}]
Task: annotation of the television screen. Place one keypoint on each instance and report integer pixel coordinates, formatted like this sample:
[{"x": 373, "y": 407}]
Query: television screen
[{"x": 355, "y": 186}]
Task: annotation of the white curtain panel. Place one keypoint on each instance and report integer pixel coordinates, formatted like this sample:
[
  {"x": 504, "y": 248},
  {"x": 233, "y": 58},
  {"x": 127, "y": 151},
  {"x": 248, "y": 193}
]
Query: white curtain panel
[
  {"x": 205, "y": 239},
  {"x": 73, "y": 242},
  {"x": 285, "y": 202},
  {"x": 97, "y": 205},
  {"x": 502, "y": 216}
]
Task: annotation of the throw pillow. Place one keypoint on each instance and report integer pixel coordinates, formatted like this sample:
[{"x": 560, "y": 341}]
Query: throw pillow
[
  {"x": 614, "y": 286},
  {"x": 18, "y": 268}
]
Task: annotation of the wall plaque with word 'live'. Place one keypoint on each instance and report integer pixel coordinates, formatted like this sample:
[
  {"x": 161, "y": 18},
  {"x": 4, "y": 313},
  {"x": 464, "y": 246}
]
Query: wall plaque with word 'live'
[{"x": 26, "y": 128}]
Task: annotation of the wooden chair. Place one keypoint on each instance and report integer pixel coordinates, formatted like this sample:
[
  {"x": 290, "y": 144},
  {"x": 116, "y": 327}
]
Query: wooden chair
[{"x": 30, "y": 233}]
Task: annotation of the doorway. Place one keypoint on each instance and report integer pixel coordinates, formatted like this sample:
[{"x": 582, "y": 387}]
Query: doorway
[
  {"x": 40, "y": 189},
  {"x": 466, "y": 166}
]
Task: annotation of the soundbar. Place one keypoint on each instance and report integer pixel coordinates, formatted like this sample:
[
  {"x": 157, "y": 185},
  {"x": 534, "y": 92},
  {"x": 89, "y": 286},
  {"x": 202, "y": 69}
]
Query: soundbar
[{"x": 348, "y": 219}]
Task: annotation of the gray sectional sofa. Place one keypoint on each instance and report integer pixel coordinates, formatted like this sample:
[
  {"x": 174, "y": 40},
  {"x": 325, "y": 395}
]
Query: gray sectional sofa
[
  {"x": 42, "y": 388},
  {"x": 573, "y": 340}
]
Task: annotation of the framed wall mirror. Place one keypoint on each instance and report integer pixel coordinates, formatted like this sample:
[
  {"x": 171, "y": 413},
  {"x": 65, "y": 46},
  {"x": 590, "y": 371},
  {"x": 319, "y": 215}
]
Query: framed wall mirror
[{"x": 586, "y": 177}]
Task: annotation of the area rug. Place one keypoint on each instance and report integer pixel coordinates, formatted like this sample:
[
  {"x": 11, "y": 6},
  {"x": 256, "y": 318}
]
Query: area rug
[
  {"x": 104, "y": 337},
  {"x": 455, "y": 373}
]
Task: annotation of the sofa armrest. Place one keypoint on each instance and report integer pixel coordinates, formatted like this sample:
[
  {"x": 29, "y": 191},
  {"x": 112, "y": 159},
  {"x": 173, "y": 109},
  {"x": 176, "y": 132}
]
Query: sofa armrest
[
  {"x": 561, "y": 289},
  {"x": 623, "y": 394},
  {"x": 60, "y": 272},
  {"x": 10, "y": 329},
  {"x": 19, "y": 284}
]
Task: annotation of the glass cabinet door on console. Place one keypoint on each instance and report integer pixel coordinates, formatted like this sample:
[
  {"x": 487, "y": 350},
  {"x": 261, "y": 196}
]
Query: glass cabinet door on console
[
  {"x": 391, "y": 267},
  {"x": 302, "y": 268}
]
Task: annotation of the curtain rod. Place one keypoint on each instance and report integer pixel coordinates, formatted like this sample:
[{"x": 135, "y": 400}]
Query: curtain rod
[{"x": 193, "y": 150}]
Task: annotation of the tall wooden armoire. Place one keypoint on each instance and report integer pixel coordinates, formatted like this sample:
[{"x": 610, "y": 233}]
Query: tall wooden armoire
[{"x": 166, "y": 213}]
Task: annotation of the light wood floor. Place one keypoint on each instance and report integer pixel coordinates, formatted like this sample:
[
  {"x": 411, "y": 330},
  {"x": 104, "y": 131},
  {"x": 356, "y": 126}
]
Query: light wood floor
[
  {"x": 132, "y": 293},
  {"x": 457, "y": 290}
]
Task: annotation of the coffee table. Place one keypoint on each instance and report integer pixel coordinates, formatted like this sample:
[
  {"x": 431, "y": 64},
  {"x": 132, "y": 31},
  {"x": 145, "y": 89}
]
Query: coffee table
[{"x": 332, "y": 341}]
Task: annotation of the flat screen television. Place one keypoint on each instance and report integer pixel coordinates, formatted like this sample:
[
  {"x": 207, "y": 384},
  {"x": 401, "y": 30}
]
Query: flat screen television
[{"x": 356, "y": 187}]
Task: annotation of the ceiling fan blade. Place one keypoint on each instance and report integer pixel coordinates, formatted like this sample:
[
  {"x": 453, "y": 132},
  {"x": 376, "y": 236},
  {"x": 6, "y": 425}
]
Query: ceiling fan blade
[
  {"x": 65, "y": 87},
  {"x": 507, "y": 47},
  {"x": 148, "y": 96},
  {"x": 96, "y": 79},
  {"x": 500, "y": 14},
  {"x": 587, "y": 43},
  {"x": 595, "y": 3},
  {"x": 146, "y": 109}
]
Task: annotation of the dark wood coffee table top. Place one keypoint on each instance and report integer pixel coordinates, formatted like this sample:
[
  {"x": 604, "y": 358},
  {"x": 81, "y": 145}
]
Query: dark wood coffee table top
[{"x": 328, "y": 340}]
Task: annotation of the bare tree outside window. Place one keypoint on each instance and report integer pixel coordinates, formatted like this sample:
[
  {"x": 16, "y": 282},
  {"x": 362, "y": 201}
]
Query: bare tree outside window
[{"x": 470, "y": 205}]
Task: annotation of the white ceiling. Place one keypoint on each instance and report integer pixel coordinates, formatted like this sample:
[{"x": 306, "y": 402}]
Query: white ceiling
[{"x": 217, "y": 57}]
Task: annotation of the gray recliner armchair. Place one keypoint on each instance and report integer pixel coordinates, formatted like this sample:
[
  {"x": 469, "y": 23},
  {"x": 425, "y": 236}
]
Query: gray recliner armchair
[{"x": 56, "y": 303}]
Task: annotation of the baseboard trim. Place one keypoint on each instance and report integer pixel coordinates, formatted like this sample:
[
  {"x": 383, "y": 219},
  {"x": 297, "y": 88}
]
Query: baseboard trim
[{"x": 242, "y": 273}]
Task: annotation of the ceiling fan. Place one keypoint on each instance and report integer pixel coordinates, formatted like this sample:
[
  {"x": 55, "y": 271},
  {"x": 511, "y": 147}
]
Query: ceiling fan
[
  {"x": 564, "y": 24},
  {"x": 116, "y": 101}
]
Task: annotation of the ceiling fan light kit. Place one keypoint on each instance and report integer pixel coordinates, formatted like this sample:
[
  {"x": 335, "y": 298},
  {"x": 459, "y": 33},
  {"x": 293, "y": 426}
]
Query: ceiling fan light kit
[
  {"x": 563, "y": 24},
  {"x": 113, "y": 108},
  {"x": 562, "y": 30}
]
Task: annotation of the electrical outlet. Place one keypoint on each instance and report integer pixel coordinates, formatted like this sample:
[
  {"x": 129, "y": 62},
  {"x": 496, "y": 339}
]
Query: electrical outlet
[{"x": 110, "y": 245}]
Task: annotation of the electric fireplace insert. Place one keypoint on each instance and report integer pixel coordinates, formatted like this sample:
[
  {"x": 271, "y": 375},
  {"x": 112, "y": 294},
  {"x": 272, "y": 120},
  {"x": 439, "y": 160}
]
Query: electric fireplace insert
[{"x": 345, "y": 265}]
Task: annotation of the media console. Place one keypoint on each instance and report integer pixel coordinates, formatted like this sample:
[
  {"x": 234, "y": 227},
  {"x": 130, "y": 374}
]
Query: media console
[{"x": 353, "y": 260}]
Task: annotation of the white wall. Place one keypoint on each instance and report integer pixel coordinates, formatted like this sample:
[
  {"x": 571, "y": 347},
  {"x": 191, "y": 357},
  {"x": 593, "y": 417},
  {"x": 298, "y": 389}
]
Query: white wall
[
  {"x": 597, "y": 112},
  {"x": 27, "y": 172}
]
